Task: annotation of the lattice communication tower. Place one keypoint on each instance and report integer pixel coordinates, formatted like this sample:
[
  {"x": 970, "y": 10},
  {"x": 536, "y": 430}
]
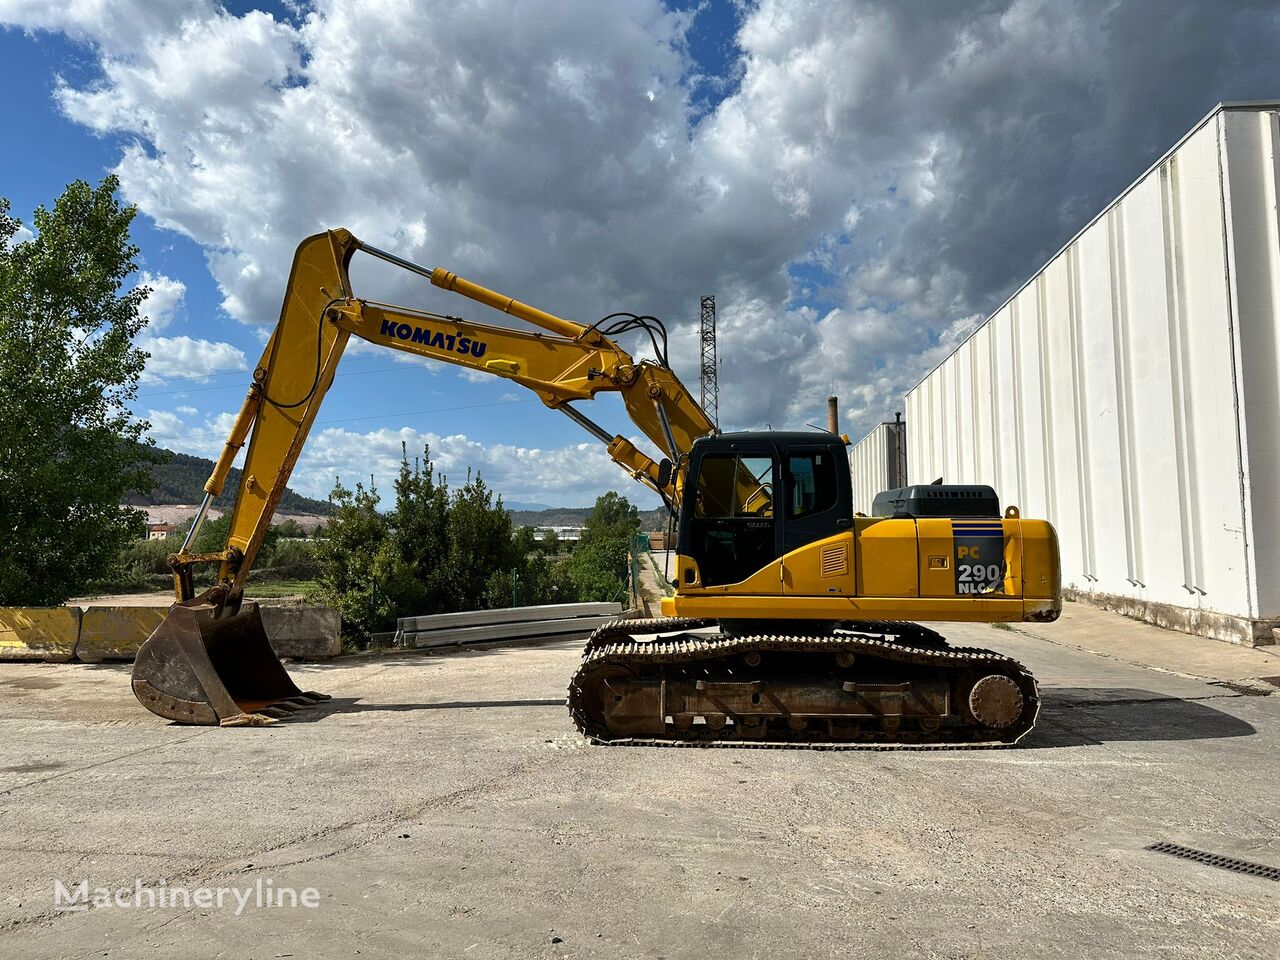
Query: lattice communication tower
[{"x": 710, "y": 388}]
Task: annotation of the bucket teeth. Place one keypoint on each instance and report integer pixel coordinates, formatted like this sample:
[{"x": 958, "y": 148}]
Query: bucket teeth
[
  {"x": 248, "y": 720},
  {"x": 312, "y": 697}
]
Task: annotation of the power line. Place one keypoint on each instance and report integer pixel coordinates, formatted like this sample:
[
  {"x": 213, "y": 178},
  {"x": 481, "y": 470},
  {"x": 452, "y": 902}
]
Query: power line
[
  {"x": 240, "y": 385},
  {"x": 216, "y": 434}
]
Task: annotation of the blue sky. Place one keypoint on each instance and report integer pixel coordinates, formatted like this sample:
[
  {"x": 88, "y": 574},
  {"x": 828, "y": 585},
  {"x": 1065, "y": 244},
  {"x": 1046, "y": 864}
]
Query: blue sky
[
  {"x": 857, "y": 181},
  {"x": 373, "y": 390}
]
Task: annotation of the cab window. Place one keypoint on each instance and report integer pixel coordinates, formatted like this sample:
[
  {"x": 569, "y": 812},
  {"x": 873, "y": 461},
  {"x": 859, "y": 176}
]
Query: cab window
[
  {"x": 811, "y": 483},
  {"x": 734, "y": 486}
]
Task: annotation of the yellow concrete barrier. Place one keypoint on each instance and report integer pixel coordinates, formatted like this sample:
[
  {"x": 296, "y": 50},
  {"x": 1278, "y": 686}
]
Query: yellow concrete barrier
[
  {"x": 39, "y": 633},
  {"x": 116, "y": 633}
]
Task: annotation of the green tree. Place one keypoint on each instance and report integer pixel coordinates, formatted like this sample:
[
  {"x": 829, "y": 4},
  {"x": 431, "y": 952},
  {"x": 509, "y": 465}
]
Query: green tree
[
  {"x": 613, "y": 516},
  {"x": 599, "y": 564},
  {"x": 213, "y": 534},
  {"x": 480, "y": 543},
  {"x": 549, "y": 544},
  {"x": 533, "y": 578},
  {"x": 348, "y": 560},
  {"x": 413, "y": 563},
  {"x": 68, "y": 372},
  {"x": 289, "y": 529},
  {"x": 598, "y": 569}
]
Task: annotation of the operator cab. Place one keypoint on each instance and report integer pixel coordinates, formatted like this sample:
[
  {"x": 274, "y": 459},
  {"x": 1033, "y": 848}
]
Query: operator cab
[{"x": 751, "y": 497}]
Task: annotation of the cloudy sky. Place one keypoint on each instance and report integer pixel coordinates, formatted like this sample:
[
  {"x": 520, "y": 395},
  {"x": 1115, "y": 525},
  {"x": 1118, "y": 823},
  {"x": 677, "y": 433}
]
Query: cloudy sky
[{"x": 857, "y": 183}]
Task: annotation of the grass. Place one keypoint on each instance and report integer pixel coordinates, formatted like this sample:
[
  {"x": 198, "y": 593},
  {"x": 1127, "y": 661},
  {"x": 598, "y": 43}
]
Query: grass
[
  {"x": 667, "y": 589},
  {"x": 273, "y": 589}
]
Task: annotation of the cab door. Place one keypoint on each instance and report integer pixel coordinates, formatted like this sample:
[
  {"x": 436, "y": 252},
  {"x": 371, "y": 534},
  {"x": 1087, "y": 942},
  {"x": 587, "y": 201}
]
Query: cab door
[
  {"x": 815, "y": 500},
  {"x": 732, "y": 531}
]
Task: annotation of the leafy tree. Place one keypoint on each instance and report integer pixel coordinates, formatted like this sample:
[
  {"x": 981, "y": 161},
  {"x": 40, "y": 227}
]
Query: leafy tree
[
  {"x": 549, "y": 544},
  {"x": 442, "y": 550},
  {"x": 413, "y": 563},
  {"x": 213, "y": 534},
  {"x": 348, "y": 561},
  {"x": 533, "y": 578},
  {"x": 68, "y": 371},
  {"x": 292, "y": 560},
  {"x": 598, "y": 569},
  {"x": 480, "y": 543},
  {"x": 289, "y": 529},
  {"x": 613, "y": 516},
  {"x": 599, "y": 564}
]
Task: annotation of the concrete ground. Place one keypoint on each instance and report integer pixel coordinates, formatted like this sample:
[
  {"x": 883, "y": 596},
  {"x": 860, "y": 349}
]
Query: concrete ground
[{"x": 445, "y": 807}]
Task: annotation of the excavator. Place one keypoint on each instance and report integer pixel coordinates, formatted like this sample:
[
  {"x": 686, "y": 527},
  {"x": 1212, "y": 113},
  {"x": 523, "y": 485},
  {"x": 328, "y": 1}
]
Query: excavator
[{"x": 794, "y": 621}]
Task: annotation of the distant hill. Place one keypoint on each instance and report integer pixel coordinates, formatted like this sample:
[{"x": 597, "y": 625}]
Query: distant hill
[
  {"x": 516, "y": 506},
  {"x": 181, "y": 477},
  {"x": 577, "y": 516}
]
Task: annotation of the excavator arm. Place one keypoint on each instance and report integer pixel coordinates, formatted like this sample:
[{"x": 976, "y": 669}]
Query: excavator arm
[
  {"x": 566, "y": 363},
  {"x": 208, "y": 661}
]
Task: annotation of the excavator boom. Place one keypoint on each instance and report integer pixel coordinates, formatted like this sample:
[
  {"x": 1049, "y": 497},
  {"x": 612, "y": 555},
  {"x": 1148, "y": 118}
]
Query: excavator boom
[{"x": 210, "y": 660}]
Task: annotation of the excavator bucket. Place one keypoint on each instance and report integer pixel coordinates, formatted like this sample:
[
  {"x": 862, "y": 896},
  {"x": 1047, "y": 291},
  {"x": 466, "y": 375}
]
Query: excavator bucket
[{"x": 202, "y": 668}]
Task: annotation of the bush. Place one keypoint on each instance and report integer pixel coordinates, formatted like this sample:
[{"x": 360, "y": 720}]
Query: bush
[
  {"x": 598, "y": 569},
  {"x": 295, "y": 560},
  {"x": 348, "y": 562},
  {"x": 442, "y": 551},
  {"x": 147, "y": 556}
]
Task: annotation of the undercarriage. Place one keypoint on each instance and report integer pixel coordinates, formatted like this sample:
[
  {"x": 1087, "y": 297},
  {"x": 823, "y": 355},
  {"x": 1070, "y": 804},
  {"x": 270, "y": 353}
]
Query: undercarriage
[{"x": 865, "y": 685}]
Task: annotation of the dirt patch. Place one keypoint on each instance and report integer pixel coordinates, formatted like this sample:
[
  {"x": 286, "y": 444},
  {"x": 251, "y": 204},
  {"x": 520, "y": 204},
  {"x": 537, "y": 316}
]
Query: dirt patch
[
  {"x": 32, "y": 683},
  {"x": 33, "y": 767}
]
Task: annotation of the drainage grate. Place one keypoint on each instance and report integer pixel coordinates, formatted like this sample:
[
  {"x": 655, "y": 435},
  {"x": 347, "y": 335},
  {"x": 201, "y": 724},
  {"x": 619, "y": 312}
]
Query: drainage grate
[{"x": 1217, "y": 860}]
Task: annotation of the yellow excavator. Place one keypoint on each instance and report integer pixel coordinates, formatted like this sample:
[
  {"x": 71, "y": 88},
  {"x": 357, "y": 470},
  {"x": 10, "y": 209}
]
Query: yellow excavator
[{"x": 792, "y": 618}]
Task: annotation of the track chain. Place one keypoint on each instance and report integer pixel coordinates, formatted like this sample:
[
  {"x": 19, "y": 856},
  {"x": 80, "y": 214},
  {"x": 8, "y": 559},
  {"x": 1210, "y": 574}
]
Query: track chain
[
  {"x": 910, "y": 643},
  {"x": 626, "y": 628}
]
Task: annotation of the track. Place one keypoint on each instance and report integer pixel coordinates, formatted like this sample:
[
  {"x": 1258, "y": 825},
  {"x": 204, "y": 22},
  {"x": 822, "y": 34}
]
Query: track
[{"x": 875, "y": 686}]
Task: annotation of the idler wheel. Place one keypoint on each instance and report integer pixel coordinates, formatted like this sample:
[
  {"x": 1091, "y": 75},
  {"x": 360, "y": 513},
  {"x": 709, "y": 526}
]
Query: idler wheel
[{"x": 995, "y": 701}]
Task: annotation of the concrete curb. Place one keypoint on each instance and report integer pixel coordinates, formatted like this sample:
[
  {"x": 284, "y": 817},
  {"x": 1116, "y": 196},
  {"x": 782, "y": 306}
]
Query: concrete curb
[
  {"x": 39, "y": 633},
  {"x": 99, "y": 633},
  {"x": 303, "y": 633},
  {"x": 116, "y": 633}
]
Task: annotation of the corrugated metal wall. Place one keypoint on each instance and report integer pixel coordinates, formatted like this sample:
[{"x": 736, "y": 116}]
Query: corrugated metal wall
[
  {"x": 1129, "y": 391},
  {"x": 877, "y": 462}
]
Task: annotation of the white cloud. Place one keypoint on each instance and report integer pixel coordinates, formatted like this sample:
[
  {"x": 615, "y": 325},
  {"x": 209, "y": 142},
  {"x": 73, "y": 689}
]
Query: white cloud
[
  {"x": 177, "y": 357},
  {"x": 167, "y": 429},
  {"x": 918, "y": 159},
  {"x": 21, "y": 235},
  {"x": 186, "y": 411},
  {"x": 573, "y": 474},
  {"x": 162, "y": 303},
  {"x": 118, "y": 25}
]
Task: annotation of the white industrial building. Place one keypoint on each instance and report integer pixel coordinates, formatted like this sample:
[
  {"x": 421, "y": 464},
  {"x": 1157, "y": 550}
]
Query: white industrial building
[
  {"x": 878, "y": 462},
  {"x": 1129, "y": 391}
]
